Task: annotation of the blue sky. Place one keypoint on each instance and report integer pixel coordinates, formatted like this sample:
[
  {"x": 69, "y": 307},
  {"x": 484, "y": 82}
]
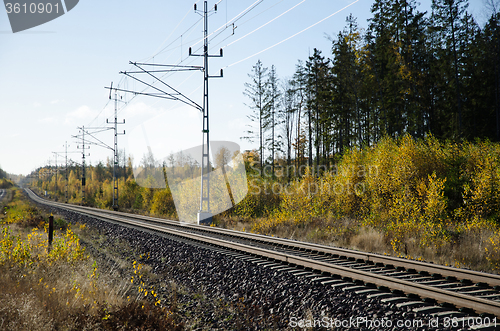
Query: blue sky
[{"x": 52, "y": 77}]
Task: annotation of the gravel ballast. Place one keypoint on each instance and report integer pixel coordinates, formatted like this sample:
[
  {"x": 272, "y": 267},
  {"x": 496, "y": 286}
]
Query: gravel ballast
[{"x": 218, "y": 291}]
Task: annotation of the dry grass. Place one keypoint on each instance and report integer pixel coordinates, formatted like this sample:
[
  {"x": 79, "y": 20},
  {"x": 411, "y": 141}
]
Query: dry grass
[
  {"x": 6, "y": 199},
  {"x": 420, "y": 199},
  {"x": 369, "y": 240},
  {"x": 466, "y": 250},
  {"x": 330, "y": 232},
  {"x": 57, "y": 291}
]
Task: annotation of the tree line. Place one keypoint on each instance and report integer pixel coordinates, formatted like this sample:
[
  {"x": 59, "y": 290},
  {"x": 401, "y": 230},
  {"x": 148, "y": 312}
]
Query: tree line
[
  {"x": 5, "y": 181},
  {"x": 3, "y": 174},
  {"x": 409, "y": 73}
]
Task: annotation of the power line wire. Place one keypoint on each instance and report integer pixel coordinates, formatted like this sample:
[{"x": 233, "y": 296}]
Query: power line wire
[
  {"x": 241, "y": 24},
  {"x": 235, "y": 26},
  {"x": 223, "y": 27},
  {"x": 166, "y": 50},
  {"x": 234, "y": 19},
  {"x": 99, "y": 113},
  {"x": 286, "y": 39},
  {"x": 182, "y": 20},
  {"x": 263, "y": 25},
  {"x": 156, "y": 53},
  {"x": 251, "y": 18}
]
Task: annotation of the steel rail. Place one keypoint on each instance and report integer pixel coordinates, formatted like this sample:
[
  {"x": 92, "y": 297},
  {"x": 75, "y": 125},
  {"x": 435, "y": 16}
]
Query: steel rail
[
  {"x": 445, "y": 271},
  {"x": 478, "y": 304}
]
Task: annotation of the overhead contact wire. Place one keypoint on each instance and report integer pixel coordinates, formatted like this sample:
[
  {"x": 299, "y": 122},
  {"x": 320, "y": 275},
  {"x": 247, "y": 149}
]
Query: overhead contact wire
[
  {"x": 294, "y": 35},
  {"x": 260, "y": 27}
]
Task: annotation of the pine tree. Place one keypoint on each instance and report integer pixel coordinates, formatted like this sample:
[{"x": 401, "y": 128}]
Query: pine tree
[
  {"x": 256, "y": 91},
  {"x": 272, "y": 96},
  {"x": 347, "y": 85},
  {"x": 319, "y": 92},
  {"x": 397, "y": 54},
  {"x": 447, "y": 20},
  {"x": 488, "y": 84},
  {"x": 477, "y": 116},
  {"x": 299, "y": 83},
  {"x": 288, "y": 110}
]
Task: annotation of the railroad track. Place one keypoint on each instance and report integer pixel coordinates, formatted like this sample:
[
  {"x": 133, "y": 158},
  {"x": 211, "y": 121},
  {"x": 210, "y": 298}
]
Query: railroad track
[{"x": 430, "y": 288}]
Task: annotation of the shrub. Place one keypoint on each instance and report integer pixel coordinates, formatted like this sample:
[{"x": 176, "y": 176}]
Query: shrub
[{"x": 423, "y": 195}]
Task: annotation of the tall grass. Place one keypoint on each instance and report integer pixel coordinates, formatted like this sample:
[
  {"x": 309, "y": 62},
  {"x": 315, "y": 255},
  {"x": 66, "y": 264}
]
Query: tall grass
[
  {"x": 5, "y": 183},
  {"x": 421, "y": 199},
  {"x": 60, "y": 287}
]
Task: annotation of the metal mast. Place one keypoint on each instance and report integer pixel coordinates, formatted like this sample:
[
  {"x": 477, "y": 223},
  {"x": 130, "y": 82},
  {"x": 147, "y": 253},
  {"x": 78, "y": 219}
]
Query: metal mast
[
  {"x": 66, "y": 193},
  {"x": 98, "y": 142},
  {"x": 66, "y": 169},
  {"x": 56, "y": 188},
  {"x": 205, "y": 152},
  {"x": 83, "y": 165},
  {"x": 115, "y": 149},
  {"x": 115, "y": 160},
  {"x": 204, "y": 214},
  {"x": 83, "y": 148}
]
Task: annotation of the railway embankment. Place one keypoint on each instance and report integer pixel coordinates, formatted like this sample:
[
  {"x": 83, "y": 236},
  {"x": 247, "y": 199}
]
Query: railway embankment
[{"x": 211, "y": 289}]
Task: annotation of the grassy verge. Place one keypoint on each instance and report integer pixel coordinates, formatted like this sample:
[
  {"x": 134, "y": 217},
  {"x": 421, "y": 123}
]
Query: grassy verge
[
  {"x": 92, "y": 281},
  {"x": 476, "y": 249},
  {"x": 420, "y": 199},
  {"x": 6, "y": 199}
]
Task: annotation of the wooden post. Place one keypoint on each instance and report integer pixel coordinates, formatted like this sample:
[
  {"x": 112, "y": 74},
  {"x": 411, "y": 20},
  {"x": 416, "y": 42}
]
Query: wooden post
[{"x": 51, "y": 230}]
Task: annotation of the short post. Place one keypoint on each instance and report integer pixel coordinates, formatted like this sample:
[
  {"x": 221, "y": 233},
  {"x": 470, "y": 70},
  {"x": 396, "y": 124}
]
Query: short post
[{"x": 51, "y": 230}]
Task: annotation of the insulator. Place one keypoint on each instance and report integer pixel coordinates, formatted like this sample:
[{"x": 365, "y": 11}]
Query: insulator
[
  {"x": 194, "y": 6},
  {"x": 215, "y": 7},
  {"x": 189, "y": 50},
  {"x": 221, "y": 52}
]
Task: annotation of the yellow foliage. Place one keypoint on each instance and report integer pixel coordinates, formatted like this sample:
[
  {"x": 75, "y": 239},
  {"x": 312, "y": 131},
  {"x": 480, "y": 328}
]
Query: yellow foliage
[
  {"x": 16, "y": 250},
  {"x": 493, "y": 250},
  {"x": 415, "y": 191},
  {"x": 163, "y": 203}
]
